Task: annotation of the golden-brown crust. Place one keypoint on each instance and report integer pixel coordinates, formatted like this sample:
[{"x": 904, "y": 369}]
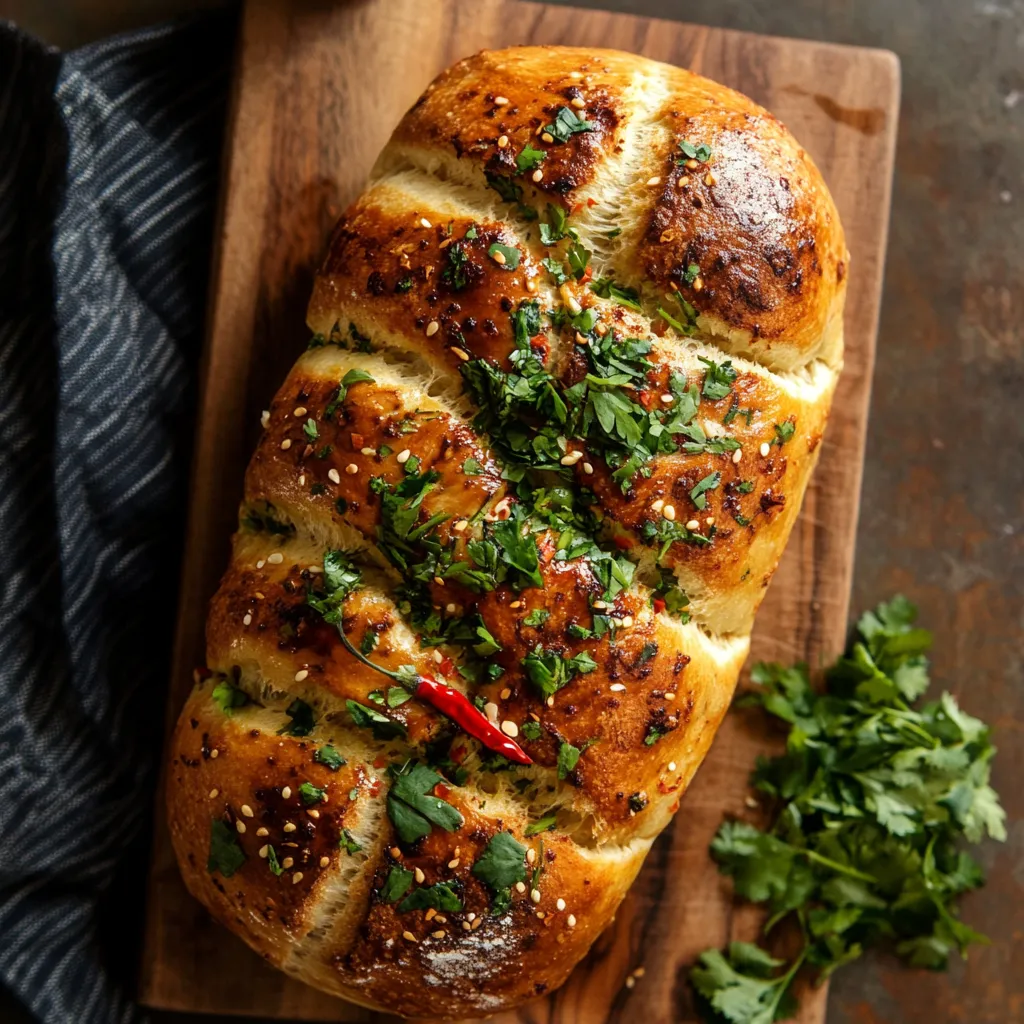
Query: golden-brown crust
[{"x": 454, "y": 268}]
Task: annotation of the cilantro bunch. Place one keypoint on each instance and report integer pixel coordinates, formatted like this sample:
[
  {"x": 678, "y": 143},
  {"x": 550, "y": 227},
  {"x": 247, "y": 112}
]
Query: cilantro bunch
[{"x": 874, "y": 797}]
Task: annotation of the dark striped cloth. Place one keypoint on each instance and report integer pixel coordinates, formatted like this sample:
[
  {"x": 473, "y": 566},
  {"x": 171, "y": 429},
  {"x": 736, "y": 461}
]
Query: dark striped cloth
[{"x": 108, "y": 166}]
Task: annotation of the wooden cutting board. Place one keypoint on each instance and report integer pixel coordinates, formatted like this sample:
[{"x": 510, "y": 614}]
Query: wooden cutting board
[{"x": 319, "y": 86}]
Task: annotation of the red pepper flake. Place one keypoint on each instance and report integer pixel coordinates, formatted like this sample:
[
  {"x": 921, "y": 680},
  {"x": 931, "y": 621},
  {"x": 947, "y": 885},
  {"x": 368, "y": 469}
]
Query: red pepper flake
[
  {"x": 576, "y": 207},
  {"x": 659, "y": 605},
  {"x": 546, "y": 549},
  {"x": 358, "y": 442},
  {"x": 376, "y": 787},
  {"x": 647, "y": 399},
  {"x": 588, "y": 273},
  {"x": 447, "y": 666},
  {"x": 623, "y": 543},
  {"x": 442, "y": 791},
  {"x": 540, "y": 344},
  {"x": 591, "y": 201},
  {"x": 380, "y": 762}
]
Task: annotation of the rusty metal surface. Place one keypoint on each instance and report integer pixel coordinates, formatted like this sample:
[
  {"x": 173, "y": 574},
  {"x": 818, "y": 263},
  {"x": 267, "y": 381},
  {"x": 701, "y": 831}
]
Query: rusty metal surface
[{"x": 942, "y": 514}]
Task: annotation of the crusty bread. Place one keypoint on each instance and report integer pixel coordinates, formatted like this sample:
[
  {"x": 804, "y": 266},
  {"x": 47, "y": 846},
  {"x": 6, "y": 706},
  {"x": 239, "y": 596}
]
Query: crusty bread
[{"x": 723, "y": 244}]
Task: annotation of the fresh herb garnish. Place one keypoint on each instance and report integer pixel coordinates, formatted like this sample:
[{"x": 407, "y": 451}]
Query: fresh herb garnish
[
  {"x": 311, "y": 794},
  {"x": 329, "y": 757},
  {"x": 412, "y": 807},
  {"x": 549, "y": 671},
  {"x": 509, "y": 254},
  {"x": 367, "y": 718},
  {"x": 226, "y": 856},
  {"x": 396, "y": 885},
  {"x": 874, "y": 796},
  {"x": 566, "y": 123},
  {"x": 302, "y": 719},
  {"x": 502, "y": 863},
  {"x": 227, "y": 696}
]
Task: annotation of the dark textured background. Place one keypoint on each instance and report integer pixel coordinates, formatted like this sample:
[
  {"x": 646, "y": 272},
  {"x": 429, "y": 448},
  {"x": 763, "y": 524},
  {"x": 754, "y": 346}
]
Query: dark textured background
[{"x": 942, "y": 512}]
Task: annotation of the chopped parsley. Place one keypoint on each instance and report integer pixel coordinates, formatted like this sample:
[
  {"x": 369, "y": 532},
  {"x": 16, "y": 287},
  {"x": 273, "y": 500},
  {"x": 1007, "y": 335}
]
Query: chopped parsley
[
  {"x": 329, "y": 757},
  {"x": 273, "y": 863},
  {"x": 227, "y": 696},
  {"x": 698, "y": 493},
  {"x": 347, "y": 843},
  {"x": 550, "y": 672},
  {"x": 302, "y": 719},
  {"x": 529, "y": 159},
  {"x": 701, "y": 152},
  {"x": 784, "y": 432},
  {"x": 537, "y": 617},
  {"x": 396, "y": 885},
  {"x": 367, "y": 718},
  {"x": 718, "y": 379},
  {"x": 439, "y": 896},
  {"x": 509, "y": 254},
  {"x": 545, "y": 824},
  {"x": 606, "y": 288},
  {"x": 311, "y": 794},
  {"x": 502, "y": 864}
]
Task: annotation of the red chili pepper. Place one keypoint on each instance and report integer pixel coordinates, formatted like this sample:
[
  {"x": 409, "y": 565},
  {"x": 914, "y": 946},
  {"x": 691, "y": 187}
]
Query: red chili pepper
[
  {"x": 659, "y": 605},
  {"x": 463, "y": 713},
  {"x": 452, "y": 704}
]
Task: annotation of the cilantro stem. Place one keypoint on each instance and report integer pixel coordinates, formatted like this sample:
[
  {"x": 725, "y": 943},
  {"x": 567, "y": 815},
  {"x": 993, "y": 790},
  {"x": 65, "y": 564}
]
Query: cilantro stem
[{"x": 836, "y": 866}]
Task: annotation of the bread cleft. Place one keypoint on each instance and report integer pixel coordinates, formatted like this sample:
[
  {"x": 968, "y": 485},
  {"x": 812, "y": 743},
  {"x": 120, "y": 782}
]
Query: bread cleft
[{"x": 573, "y": 355}]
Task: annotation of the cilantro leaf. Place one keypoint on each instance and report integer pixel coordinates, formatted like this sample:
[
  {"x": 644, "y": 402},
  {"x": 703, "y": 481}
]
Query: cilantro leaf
[
  {"x": 568, "y": 758},
  {"x": 529, "y": 158},
  {"x": 368, "y": 718},
  {"x": 545, "y": 824},
  {"x": 396, "y": 885},
  {"x": 329, "y": 757},
  {"x": 503, "y": 862},
  {"x": 506, "y": 256},
  {"x": 439, "y": 896},
  {"x": 226, "y": 856},
  {"x": 302, "y": 719},
  {"x": 412, "y": 807},
  {"x": 311, "y": 794},
  {"x": 227, "y": 696},
  {"x": 698, "y": 493},
  {"x": 549, "y": 671},
  {"x": 566, "y": 123}
]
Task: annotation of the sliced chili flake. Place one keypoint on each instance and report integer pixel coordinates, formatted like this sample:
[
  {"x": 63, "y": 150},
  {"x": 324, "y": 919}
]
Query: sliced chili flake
[
  {"x": 659, "y": 604},
  {"x": 624, "y": 544},
  {"x": 447, "y": 666},
  {"x": 591, "y": 201},
  {"x": 442, "y": 791}
]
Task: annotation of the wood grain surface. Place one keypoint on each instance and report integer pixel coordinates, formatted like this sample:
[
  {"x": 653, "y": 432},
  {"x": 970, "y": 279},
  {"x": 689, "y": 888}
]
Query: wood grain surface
[{"x": 319, "y": 87}]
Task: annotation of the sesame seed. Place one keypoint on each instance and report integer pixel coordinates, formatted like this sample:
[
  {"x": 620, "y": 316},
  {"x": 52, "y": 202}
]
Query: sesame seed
[
  {"x": 669, "y": 512},
  {"x": 599, "y": 605},
  {"x": 588, "y": 469},
  {"x": 571, "y": 920},
  {"x": 408, "y": 936},
  {"x": 710, "y": 521},
  {"x": 550, "y": 702},
  {"x": 710, "y": 179},
  {"x": 509, "y": 728},
  {"x": 424, "y": 223},
  {"x": 654, "y": 181},
  {"x": 737, "y": 455},
  {"x": 262, "y": 562},
  {"x": 439, "y": 934},
  {"x": 288, "y": 862},
  {"x": 671, "y": 766},
  {"x": 765, "y": 449},
  {"x": 395, "y": 852},
  {"x": 531, "y": 285},
  {"x": 214, "y": 793},
  {"x": 262, "y": 831},
  {"x": 437, "y": 656},
  {"x": 466, "y": 926},
  {"x": 432, "y": 328},
  {"x": 693, "y": 525},
  {"x": 247, "y": 620},
  {"x": 451, "y": 608},
  {"x": 439, "y": 581},
  {"x": 289, "y": 826},
  {"x": 403, "y": 456},
  {"x": 627, "y": 622},
  {"x": 461, "y": 525},
  {"x": 302, "y": 674},
  {"x": 617, "y": 687},
  {"x": 366, "y": 451},
  {"x": 500, "y": 101},
  {"x": 537, "y": 174},
  {"x": 264, "y": 851},
  {"x": 578, "y": 102},
  {"x": 571, "y": 459},
  {"x": 630, "y": 982},
  {"x": 265, "y": 418},
  {"x": 215, "y": 753},
  {"x": 276, "y": 558},
  {"x": 302, "y": 479},
  {"x": 247, "y": 810},
  {"x": 453, "y": 863},
  {"x": 698, "y": 284},
  {"x": 575, "y": 74},
  {"x": 464, "y": 356},
  {"x": 315, "y": 569},
  {"x": 286, "y": 792},
  {"x": 313, "y": 813},
  {"x": 684, "y": 181},
  {"x": 502, "y": 141},
  {"x": 520, "y": 887},
  {"x": 531, "y": 855},
  {"x": 535, "y": 895},
  {"x": 420, "y": 877},
  {"x": 324, "y": 861},
  {"x": 491, "y": 711},
  {"x": 240, "y": 825},
  {"x": 471, "y": 917},
  {"x": 476, "y": 924},
  {"x": 668, "y": 399},
  {"x": 560, "y": 903},
  {"x": 691, "y": 164},
  {"x": 285, "y": 444},
  {"x": 670, "y": 696},
  {"x": 499, "y": 257},
  {"x": 547, "y": 137},
  {"x": 657, "y": 506},
  {"x": 441, "y": 919},
  {"x": 540, "y": 915},
  {"x": 351, "y": 469},
  {"x": 506, "y": 693}
]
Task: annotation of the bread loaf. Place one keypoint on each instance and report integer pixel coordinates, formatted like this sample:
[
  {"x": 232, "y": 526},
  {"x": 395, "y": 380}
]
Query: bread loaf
[{"x": 573, "y": 354}]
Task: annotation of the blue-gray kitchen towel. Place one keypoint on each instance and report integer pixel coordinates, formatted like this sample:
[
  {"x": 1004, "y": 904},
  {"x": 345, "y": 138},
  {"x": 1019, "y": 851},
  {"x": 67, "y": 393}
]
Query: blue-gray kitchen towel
[{"x": 108, "y": 164}]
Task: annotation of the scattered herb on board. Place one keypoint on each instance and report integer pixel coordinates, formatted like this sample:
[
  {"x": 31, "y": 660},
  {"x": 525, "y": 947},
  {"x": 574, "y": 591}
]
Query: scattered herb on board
[{"x": 874, "y": 797}]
